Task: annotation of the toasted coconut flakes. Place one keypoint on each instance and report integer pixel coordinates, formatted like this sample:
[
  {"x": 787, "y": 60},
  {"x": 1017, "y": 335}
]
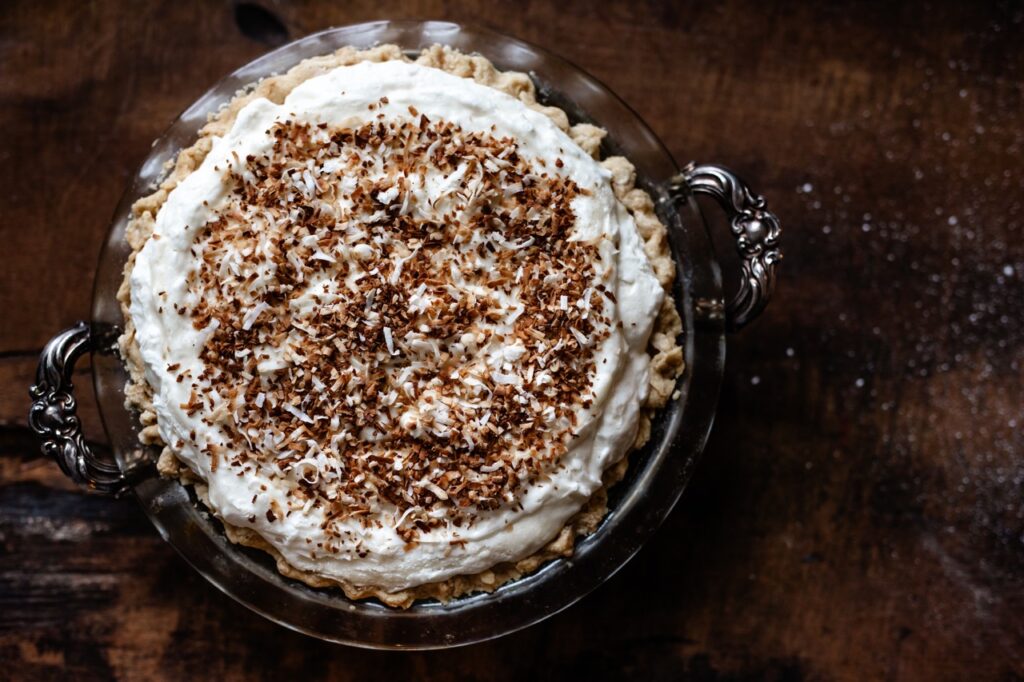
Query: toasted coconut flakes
[
  {"x": 441, "y": 494},
  {"x": 252, "y": 314},
  {"x": 583, "y": 340},
  {"x": 297, "y": 413},
  {"x": 500, "y": 378}
]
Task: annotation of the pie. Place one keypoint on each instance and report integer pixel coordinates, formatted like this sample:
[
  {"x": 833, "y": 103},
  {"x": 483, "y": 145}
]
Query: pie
[{"x": 398, "y": 323}]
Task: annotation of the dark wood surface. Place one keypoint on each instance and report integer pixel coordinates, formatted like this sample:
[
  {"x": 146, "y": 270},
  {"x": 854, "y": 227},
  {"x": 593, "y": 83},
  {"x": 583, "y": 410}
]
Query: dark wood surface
[{"x": 858, "y": 513}]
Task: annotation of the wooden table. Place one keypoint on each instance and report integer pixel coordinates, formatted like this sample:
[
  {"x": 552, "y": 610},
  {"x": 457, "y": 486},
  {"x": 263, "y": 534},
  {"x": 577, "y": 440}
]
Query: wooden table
[{"x": 858, "y": 513}]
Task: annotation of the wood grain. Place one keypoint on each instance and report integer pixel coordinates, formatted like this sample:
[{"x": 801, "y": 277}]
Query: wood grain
[{"x": 858, "y": 513}]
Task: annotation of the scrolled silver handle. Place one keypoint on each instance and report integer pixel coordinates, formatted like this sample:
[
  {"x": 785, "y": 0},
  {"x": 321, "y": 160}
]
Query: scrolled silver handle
[
  {"x": 53, "y": 415},
  {"x": 755, "y": 228}
]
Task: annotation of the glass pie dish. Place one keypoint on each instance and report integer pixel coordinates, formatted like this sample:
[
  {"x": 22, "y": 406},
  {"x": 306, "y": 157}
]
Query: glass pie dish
[{"x": 657, "y": 473}]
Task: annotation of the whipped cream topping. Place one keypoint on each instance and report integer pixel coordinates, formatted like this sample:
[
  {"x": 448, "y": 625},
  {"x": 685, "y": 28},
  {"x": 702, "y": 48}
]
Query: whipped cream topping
[{"x": 397, "y": 323}]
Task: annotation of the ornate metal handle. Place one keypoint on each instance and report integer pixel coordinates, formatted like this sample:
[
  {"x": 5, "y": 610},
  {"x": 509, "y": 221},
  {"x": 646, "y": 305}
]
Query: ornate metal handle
[
  {"x": 756, "y": 229},
  {"x": 53, "y": 417}
]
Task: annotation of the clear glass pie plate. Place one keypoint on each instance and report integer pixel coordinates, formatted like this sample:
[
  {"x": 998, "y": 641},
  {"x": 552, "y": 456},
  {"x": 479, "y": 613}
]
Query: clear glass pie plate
[{"x": 638, "y": 504}]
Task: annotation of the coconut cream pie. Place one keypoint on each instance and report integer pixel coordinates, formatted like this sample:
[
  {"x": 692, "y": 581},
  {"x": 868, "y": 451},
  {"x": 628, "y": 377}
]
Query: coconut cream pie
[{"x": 398, "y": 324}]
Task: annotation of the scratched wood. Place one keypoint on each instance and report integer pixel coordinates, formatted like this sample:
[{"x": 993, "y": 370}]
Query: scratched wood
[{"x": 858, "y": 513}]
